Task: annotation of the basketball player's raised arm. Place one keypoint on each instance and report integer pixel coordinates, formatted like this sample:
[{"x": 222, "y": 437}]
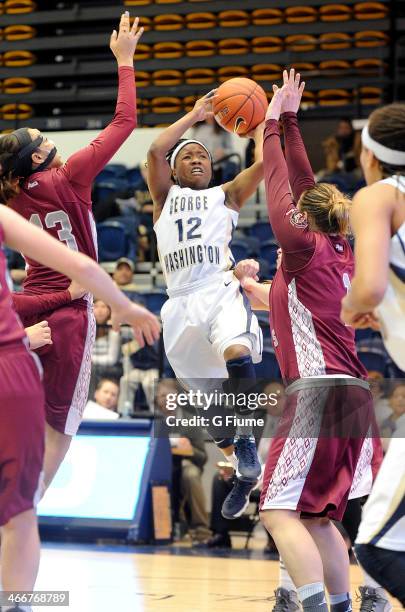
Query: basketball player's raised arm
[
  {"x": 40, "y": 246},
  {"x": 159, "y": 172},
  {"x": 370, "y": 219},
  {"x": 300, "y": 174},
  {"x": 244, "y": 185},
  {"x": 82, "y": 167},
  {"x": 289, "y": 226}
]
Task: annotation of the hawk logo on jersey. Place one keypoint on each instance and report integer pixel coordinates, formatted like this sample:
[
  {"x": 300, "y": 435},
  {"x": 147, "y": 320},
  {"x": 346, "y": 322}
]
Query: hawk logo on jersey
[
  {"x": 298, "y": 219},
  {"x": 33, "y": 184}
]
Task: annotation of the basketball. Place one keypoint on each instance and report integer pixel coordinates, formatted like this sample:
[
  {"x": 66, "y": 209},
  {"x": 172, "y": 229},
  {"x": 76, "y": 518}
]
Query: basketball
[{"x": 240, "y": 105}]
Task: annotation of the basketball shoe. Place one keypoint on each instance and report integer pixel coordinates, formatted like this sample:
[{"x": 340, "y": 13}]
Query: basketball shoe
[
  {"x": 285, "y": 601},
  {"x": 237, "y": 499},
  {"x": 249, "y": 467},
  {"x": 373, "y": 600}
]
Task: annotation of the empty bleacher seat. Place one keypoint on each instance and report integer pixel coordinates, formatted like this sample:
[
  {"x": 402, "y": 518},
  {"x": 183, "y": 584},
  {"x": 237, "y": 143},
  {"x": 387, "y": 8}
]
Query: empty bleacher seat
[
  {"x": 18, "y": 7},
  {"x": 154, "y": 300},
  {"x": 114, "y": 241},
  {"x": 167, "y": 78},
  {"x": 166, "y": 104},
  {"x": 110, "y": 172},
  {"x": 18, "y": 85},
  {"x": 268, "y": 251},
  {"x": 331, "y": 41},
  {"x": 12, "y": 112},
  {"x": 370, "y": 66},
  {"x": 240, "y": 250},
  {"x": 168, "y": 1},
  {"x": 233, "y": 46},
  {"x": 189, "y": 102},
  {"x": 200, "y": 48},
  {"x": 267, "y": 16},
  {"x": 300, "y": 14},
  {"x": 233, "y": 19},
  {"x": 373, "y": 358},
  {"x": 111, "y": 187},
  {"x": 201, "y": 21},
  {"x": 168, "y": 22},
  {"x": 370, "y": 95},
  {"x": 16, "y": 59},
  {"x": 145, "y": 23},
  {"x": 266, "y": 72},
  {"x": 267, "y": 44},
  {"x": 142, "y": 52},
  {"x": 168, "y": 50},
  {"x": 231, "y": 72},
  {"x": 142, "y": 105},
  {"x": 335, "y": 12},
  {"x": 262, "y": 230},
  {"x": 370, "y": 10},
  {"x": 300, "y": 42},
  {"x": 371, "y": 38},
  {"x": 304, "y": 67},
  {"x": 137, "y": 2},
  {"x": 332, "y": 68},
  {"x": 199, "y": 76},
  {"x": 142, "y": 78},
  {"x": 19, "y": 32},
  {"x": 334, "y": 97}
]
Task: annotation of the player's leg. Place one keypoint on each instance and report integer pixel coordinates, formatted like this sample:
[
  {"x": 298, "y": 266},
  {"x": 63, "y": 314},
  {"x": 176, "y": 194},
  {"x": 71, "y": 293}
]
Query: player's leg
[
  {"x": 19, "y": 552},
  {"x": 300, "y": 555},
  {"x": 22, "y": 421},
  {"x": 67, "y": 368},
  {"x": 387, "y": 567}
]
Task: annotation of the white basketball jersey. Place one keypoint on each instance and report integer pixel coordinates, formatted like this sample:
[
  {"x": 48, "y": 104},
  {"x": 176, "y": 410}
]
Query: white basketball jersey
[
  {"x": 391, "y": 311},
  {"x": 193, "y": 235}
]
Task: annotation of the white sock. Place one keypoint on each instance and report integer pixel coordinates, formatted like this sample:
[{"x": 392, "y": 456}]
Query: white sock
[
  {"x": 369, "y": 581},
  {"x": 285, "y": 580},
  {"x": 310, "y": 589},
  {"x": 338, "y": 598},
  {"x": 234, "y": 460}
]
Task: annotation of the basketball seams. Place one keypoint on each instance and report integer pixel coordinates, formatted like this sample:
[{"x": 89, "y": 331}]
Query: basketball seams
[{"x": 240, "y": 89}]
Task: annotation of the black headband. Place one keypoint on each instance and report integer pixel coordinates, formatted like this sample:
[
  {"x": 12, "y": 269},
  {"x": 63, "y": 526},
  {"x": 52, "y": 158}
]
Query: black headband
[{"x": 20, "y": 163}]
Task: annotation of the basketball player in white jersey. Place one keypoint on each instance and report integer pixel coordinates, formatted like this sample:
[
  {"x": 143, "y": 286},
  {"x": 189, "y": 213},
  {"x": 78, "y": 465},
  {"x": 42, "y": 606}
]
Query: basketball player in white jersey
[
  {"x": 378, "y": 291},
  {"x": 209, "y": 330}
]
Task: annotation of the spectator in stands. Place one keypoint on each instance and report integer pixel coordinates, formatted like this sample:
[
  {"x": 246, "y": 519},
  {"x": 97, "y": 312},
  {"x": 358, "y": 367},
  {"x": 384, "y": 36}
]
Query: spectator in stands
[
  {"x": 396, "y": 400},
  {"x": 189, "y": 458},
  {"x": 342, "y": 151},
  {"x": 105, "y": 358},
  {"x": 141, "y": 367},
  {"x": 381, "y": 405},
  {"x": 123, "y": 276},
  {"x": 104, "y": 406}
]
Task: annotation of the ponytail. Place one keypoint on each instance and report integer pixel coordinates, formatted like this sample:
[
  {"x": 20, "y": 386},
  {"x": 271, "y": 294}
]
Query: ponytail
[
  {"x": 9, "y": 186},
  {"x": 328, "y": 209}
]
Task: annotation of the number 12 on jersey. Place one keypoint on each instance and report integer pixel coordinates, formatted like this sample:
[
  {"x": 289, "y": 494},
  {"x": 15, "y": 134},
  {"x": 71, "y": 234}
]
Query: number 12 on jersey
[{"x": 194, "y": 222}]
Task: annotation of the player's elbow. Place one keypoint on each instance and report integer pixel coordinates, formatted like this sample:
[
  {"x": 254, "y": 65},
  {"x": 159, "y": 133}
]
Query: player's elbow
[{"x": 370, "y": 295}]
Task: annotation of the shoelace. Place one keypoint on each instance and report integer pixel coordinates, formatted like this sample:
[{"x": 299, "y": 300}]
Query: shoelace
[
  {"x": 281, "y": 604},
  {"x": 368, "y": 600},
  {"x": 246, "y": 446}
]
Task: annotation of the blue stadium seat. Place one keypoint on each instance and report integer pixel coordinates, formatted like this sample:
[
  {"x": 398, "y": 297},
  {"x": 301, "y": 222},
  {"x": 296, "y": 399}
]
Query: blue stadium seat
[
  {"x": 268, "y": 368},
  {"x": 373, "y": 355},
  {"x": 240, "y": 250},
  {"x": 114, "y": 241},
  {"x": 154, "y": 300},
  {"x": 111, "y": 171},
  {"x": 113, "y": 186},
  {"x": 134, "y": 177},
  {"x": 262, "y": 230},
  {"x": 268, "y": 251}
]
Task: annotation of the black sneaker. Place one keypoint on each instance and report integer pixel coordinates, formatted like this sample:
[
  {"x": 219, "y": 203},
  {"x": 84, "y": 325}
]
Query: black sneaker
[
  {"x": 249, "y": 467},
  {"x": 373, "y": 600},
  {"x": 285, "y": 601},
  {"x": 237, "y": 499},
  {"x": 219, "y": 540}
]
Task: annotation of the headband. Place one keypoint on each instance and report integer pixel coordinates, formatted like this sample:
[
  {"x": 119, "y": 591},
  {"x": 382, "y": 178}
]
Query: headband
[
  {"x": 383, "y": 154},
  {"x": 21, "y": 163},
  {"x": 179, "y": 147}
]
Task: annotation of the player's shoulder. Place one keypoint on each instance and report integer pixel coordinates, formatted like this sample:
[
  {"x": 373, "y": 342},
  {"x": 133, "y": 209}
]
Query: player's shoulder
[{"x": 378, "y": 194}]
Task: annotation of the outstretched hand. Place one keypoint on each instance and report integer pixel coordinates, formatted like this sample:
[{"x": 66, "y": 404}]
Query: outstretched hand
[
  {"x": 145, "y": 325},
  {"x": 293, "y": 91},
  {"x": 203, "y": 107},
  {"x": 123, "y": 43},
  {"x": 274, "y": 109}
]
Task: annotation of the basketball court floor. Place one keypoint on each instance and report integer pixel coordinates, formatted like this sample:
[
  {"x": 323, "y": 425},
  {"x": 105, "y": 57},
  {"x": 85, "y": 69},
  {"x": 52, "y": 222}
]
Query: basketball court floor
[{"x": 172, "y": 578}]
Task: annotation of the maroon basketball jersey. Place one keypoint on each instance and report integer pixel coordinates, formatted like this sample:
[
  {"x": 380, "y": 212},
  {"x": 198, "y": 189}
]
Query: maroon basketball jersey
[
  {"x": 305, "y": 297},
  {"x": 59, "y": 199},
  {"x": 11, "y": 329},
  {"x": 308, "y": 335}
]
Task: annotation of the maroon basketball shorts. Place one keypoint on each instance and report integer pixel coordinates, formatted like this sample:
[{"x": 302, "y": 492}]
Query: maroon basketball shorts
[
  {"x": 67, "y": 364},
  {"x": 322, "y": 452},
  {"x": 22, "y": 431}
]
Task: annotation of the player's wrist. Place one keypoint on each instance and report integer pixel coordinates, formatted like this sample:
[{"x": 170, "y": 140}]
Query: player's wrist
[{"x": 125, "y": 62}]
